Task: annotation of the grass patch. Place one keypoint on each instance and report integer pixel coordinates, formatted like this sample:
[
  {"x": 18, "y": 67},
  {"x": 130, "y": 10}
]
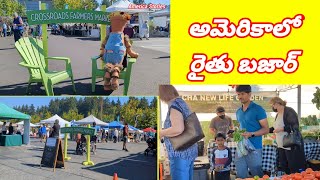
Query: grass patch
[{"x": 205, "y": 127}]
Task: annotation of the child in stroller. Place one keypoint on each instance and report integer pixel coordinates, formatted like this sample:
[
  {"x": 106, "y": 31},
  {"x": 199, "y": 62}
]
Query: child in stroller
[
  {"x": 81, "y": 140},
  {"x": 152, "y": 146}
]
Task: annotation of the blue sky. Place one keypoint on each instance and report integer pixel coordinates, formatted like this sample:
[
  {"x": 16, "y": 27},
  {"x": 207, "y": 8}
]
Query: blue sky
[
  {"x": 40, "y": 101},
  {"x": 167, "y": 2}
]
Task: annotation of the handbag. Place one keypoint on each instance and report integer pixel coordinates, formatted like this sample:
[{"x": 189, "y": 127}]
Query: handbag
[
  {"x": 192, "y": 133},
  {"x": 292, "y": 139}
]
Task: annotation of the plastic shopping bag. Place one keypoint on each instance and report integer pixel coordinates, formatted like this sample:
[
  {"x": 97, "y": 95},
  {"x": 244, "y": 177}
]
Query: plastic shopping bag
[{"x": 244, "y": 147}]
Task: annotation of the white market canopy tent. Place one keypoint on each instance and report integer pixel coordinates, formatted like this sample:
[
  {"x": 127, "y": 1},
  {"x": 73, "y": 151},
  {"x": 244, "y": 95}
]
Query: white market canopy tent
[
  {"x": 124, "y": 6},
  {"x": 31, "y": 125},
  {"x": 90, "y": 119},
  {"x": 73, "y": 122},
  {"x": 51, "y": 121},
  {"x": 162, "y": 12}
]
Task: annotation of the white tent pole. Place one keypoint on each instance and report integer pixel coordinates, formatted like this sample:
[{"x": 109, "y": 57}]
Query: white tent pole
[
  {"x": 299, "y": 102},
  {"x": 26, "y": 132}
]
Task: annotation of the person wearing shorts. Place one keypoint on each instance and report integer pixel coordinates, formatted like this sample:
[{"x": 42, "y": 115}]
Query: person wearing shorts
[{"x": 125, "y": 137}]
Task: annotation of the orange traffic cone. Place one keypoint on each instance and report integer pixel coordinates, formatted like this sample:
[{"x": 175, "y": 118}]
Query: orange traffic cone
[
  {"x": 115, "y": 176},
  {"x": 160, "y": 171}
]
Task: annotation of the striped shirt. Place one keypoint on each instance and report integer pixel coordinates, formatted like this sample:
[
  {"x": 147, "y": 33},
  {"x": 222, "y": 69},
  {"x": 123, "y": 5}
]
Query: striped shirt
[{"x": 221, "y": 157}]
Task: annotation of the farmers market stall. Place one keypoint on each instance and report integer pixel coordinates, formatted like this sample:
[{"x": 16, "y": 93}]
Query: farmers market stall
[
  {"x": 269, "y": 155},
  {"x": 8, "y": 113},
  {"x": 11, "y": 140}
]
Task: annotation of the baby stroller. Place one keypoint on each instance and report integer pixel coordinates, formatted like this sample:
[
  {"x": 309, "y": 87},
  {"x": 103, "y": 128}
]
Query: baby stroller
[
  {"x": 152, "y": 146},
  {"x": 81, "y": 146}
]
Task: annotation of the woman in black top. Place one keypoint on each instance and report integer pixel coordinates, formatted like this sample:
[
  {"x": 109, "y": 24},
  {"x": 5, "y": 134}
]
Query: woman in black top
[
  {"x": 10, "y": 129},
  {"x": 55, "y": 129},
  {"x": 291, "y": 159}
]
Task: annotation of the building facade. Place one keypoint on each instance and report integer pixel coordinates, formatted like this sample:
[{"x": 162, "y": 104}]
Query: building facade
[{"x": 32, "y": 5}]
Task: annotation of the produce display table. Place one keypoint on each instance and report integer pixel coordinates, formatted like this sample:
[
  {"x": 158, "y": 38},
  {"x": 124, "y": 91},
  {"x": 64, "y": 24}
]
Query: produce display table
[
  {"x": 10, "y": 140},
  {"x": 200, "y": 168},
  {"x": 269, "y": 155},
  {"x": 312, "y": 151}
]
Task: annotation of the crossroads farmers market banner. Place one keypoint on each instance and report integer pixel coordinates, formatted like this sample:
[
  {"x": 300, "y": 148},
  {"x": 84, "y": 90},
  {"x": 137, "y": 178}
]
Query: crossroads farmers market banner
[
  {"x": 219, "y": 42},
  {"x": 207, "y": 102},
  {"x": 67, "y": 16}
]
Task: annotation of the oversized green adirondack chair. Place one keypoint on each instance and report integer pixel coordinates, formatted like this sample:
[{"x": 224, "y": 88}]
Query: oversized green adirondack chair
[
  {"x": 31, "y": 51},
  {"x": 125, "y": 73}
]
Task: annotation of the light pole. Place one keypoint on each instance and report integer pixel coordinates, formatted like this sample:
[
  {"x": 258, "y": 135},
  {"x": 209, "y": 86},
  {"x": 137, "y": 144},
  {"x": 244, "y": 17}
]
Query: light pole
[{"x": 299, "y": 101}]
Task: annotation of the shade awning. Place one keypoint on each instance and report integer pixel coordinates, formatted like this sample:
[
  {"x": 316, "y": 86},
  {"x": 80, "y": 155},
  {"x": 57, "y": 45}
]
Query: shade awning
[
  {"x": 149, "y": 129},
  {"x": 31, "y": 125},
  {"x": 115, "y": 124},
  {"x": 131, "y": 128},
  {"x": 90, "y": 119},
  {"x": 52, "y": 119},
  {"x": 163, "y": 12},
  {"x": 125, "y": 6},
  {"x": 7, "y": 112}
]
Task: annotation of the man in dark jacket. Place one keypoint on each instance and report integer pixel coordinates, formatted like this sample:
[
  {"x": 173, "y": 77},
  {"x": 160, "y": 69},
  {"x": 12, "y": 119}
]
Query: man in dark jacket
[{"x": 55, "y": 129}]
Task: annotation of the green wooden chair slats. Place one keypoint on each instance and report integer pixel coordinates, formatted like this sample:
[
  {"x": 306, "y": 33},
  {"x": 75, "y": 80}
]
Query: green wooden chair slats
[
  {"x": 24, "y": 52},
  {"x": 125, "y": 73},
  {"x": 36, "y": 48},
  {"x": 31, "y": 51}
]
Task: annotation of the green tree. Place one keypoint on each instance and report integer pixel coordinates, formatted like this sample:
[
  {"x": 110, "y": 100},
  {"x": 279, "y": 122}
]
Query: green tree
[
  {"x": 129, "y": 110},
  {"x": 35, "y": 119},
  {"x": 47, "y": 115},
  {"x": 8, "y": 7},
  {"x": 107, "y": 2},
  {"x": 154, "y": 103},
  {"x": 68, "y": 104},
  {"x": 72, "y": 115},
  {"x": 310, "y": 120},
  {"x": 76, "y": 4},
  {"x": 138, "y": 2},
  {"x": 108, "y": 110},
  {"x": 71, "y": 108},
  {"x": 32, "y": 110},
  {"x": 54, "y": 106},
  {"x": 94, "y": 104},
  {"x": 316, "y": 98},
  {"x": 143, "y": 104}
]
